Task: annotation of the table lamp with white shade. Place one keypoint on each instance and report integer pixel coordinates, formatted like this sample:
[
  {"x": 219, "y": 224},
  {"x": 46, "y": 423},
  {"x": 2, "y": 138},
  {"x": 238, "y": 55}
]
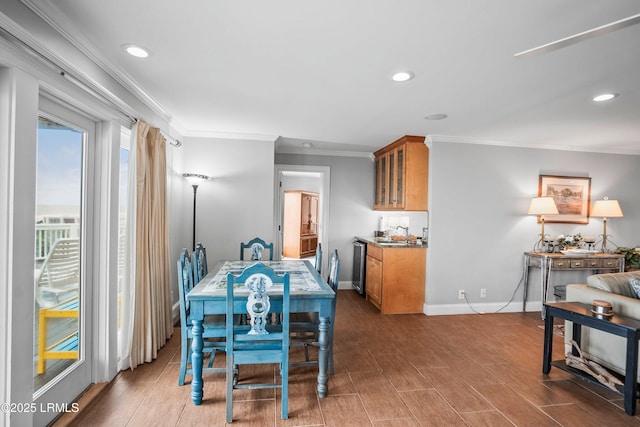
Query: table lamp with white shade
[
  {"x": 606, "y": 209},
  {"x": 542, "y": 206}
]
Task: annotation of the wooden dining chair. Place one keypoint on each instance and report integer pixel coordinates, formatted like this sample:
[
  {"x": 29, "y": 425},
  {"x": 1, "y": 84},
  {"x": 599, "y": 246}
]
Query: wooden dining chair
[
  {"x": 199, "y": 263},
  {"x": 257, "y": 246},
  {"x": 304, "y": 326},
  {"x": 214, "y": 325},
  {"x": 318, "y": 260},
  {"x": 258, "y": 342}
]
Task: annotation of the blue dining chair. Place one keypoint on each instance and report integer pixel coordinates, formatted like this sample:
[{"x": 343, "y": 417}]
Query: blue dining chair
[
  {"x": 318, "y": 260},
  {"x": 257, "y": 246},
  {"x": 304, "y": 326},
  {"x": 199, "y": 263},
  {"x": 214, "y": 325},
  {"x": 258, "y": 342}
]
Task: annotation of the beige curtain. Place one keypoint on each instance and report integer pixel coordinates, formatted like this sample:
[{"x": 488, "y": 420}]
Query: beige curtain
[{"x": 152, "y": 322}]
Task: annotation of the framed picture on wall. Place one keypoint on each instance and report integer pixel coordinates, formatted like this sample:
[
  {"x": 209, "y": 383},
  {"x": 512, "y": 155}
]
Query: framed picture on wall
[{"x": 572, "y": 195}]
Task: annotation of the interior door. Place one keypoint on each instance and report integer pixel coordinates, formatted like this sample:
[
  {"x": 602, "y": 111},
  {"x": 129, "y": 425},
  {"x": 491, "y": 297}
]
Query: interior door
[{"x": 62, "y": 303}]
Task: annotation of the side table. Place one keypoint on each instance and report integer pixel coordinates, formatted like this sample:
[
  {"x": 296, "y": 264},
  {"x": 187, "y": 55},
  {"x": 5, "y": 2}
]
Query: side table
[
  {"x": 548, "y": 262},
  {"x": 580, "y": 314}
]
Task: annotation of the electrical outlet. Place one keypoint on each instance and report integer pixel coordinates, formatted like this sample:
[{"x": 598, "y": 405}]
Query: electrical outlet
[
  {"x": 483, "y": 293},
  {"x": 461, "y": 294}
]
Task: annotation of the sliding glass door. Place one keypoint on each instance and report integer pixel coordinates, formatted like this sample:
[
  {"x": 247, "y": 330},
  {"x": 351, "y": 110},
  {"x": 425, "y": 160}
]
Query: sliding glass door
[{"x": 63, "y": 245}]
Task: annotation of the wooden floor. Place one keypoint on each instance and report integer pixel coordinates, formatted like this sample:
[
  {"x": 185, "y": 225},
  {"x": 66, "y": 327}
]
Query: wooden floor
[{"x": 391, "y": 370}]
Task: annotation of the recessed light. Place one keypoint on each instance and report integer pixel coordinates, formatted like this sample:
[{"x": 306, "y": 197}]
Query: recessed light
[
  {"x": 135, "y": 50},
  {"x": 604, "y": 97},
  {"x": 438, "y": 116},
  {"x": 402, "y": 76}
]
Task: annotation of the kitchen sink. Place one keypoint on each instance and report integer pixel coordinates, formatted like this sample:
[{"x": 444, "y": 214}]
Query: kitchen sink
[{"x": 393, "y": 243}]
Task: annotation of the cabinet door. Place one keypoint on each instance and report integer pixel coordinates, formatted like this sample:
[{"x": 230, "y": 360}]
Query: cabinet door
[
  {"x": 396, "y": 178},
  {"x": 383, "y": 180},
  {"x": 377, "y": 187},
  {"x": 392, "y": 179},
  {"x": 398, "y": 201},
  {"x": 305, "y": 214},
  {"x": 374, "y": 281},
  {"x": 313, "y": 215}
]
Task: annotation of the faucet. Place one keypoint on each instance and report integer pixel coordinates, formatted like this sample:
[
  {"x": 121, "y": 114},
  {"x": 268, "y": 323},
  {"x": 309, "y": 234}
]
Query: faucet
[{"x": 406, "y": 232}]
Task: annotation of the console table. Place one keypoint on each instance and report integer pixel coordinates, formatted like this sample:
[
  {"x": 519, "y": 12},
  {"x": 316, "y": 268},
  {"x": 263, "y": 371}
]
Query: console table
[
  {"x": 580, "y": 315},
  {"x": 548, "y": 262}
]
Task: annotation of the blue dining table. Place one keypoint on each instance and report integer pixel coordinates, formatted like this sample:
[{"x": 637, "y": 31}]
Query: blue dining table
[{"x": 309, "y": 293}]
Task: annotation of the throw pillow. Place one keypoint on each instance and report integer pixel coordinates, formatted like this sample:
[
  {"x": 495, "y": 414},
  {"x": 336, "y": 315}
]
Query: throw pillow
[
  {"x": 618, "y": 283},
  {"x": 635, "y": 284}
]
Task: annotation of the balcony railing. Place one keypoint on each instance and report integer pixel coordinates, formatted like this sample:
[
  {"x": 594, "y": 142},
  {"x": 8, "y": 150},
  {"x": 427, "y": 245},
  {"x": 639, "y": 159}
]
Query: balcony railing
[{"x": 47, "y": 234}]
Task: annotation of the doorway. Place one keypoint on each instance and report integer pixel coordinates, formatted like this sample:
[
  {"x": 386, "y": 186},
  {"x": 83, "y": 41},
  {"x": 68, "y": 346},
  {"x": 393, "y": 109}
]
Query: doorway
[{"x": 315, "y": 179}]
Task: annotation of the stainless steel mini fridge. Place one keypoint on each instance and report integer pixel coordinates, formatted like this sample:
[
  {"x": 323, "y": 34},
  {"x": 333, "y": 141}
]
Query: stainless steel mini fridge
[{"x": 359, "y": 265}]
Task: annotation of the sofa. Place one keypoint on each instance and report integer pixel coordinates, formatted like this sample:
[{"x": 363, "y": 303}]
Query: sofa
[{"x": 606, "y": 349}]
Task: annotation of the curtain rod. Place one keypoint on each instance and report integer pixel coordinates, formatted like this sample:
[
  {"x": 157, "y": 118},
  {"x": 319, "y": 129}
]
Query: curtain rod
[
  {"x": 95, "y": 90},
  {"x": 85, "y": 85},
  {"x": 171, "y": 140}
]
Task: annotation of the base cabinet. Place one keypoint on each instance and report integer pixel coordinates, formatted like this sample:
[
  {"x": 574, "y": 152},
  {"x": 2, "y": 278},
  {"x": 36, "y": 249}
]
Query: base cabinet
[
  {"x": 396, "y": 279},
  {"x": 374, "y": 280}
]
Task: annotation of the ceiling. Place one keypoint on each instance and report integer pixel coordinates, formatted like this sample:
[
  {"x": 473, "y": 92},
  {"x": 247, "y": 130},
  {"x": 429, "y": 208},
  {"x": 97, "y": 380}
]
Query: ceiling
[{"x": 318, "y": 72}]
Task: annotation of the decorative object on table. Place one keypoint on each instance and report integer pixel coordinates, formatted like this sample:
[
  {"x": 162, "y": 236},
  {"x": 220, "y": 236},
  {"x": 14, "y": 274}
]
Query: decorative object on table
[
  {"x": 631, "y": 257},
  {"x": 583, "y": 363},
  {"x": 606, "y": 209},
  {"x": 568, "y": 241},
  {"x": 195, "y": 179},
  {"x": 572, "y": 196},
  {"x": 602, "y": 309},
  {"x": 590, "y": 242},
  {"x": 542, "y": 206},
  {"x": 549, "y": 244}
]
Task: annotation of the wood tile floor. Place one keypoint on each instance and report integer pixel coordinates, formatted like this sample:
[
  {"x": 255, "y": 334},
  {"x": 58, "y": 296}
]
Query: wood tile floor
[{"x": 392, "y": 370}]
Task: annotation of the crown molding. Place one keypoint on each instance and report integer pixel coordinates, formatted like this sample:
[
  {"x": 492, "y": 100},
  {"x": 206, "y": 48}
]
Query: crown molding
[
  {"x": 230, "y": 135},
  {"x": 49, "y": 13},
  {"x": 318, "y": 152},
  {"x": 479, "y": 141}
]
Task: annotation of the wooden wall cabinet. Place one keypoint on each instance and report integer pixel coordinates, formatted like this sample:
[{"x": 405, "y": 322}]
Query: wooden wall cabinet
[
  {"x": 300, "y": 234},
  {"x": 401, "y": 175},
  {"x": 396, "y": 279}
]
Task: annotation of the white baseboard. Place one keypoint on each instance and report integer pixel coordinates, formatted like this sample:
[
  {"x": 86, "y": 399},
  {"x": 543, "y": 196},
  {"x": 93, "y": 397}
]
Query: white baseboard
[
  {"x": 175, "y": 313},
  {"x": 479, "y": 308},
  {"x": 344, "y": 285}
]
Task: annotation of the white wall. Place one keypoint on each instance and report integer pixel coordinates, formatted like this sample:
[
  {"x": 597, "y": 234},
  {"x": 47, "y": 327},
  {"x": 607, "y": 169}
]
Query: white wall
[
  {"x": 236, "y": 205},
  {"x": 479, "y": 229},
  {"x": 479, "y": 196}
]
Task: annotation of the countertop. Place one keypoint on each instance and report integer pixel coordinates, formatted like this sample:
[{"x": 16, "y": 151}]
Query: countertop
[{"x": 387, "y": 243}]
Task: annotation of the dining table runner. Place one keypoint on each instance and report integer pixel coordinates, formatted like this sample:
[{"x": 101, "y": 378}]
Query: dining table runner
[{"x": 301, "y": 279}]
